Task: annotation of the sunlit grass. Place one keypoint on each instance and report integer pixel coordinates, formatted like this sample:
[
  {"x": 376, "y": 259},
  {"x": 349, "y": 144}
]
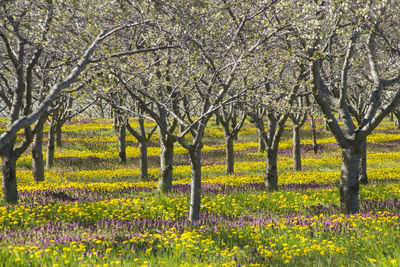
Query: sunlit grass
[{"x": 93, "y": 211}]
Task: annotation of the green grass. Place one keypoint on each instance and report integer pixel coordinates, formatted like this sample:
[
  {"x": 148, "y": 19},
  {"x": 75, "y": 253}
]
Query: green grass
[{"x": 85, "y": 215}]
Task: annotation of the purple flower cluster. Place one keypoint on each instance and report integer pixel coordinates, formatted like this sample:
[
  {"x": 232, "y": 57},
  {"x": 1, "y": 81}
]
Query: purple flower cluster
[{"x": 65, "y": 195}]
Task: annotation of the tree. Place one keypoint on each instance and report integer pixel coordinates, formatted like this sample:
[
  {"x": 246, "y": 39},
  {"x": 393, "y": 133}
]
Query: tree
[
  {"x": 22, "y": 45},
  {"x": 257, "y": 117},
  {"x": 367, "y": 37},
  {"x": 227, "y": 116},
  {"x": 396, "y": 113},
  {"x": 298, "y": 118},
  {"x": 202, "y": 73},
  {"x": 116, "y": 99},
  {"x": 156, "y": 103},
  {"x": 143, "y": 138},
  {"x": 61, "y": 111},
  {"x": 312, "y": 112},
  {"x": 276, "y": 118}
]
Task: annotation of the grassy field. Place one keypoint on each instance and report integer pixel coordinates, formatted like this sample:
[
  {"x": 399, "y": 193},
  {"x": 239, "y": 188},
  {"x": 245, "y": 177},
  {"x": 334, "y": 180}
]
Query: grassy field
[{"x": 93, "y": 211}]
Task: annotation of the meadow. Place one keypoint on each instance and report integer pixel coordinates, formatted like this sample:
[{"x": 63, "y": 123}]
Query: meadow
[{"x": 93, "y": 211}]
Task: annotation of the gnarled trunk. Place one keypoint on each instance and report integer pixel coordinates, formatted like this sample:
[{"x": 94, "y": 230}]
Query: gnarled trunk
[
  {"x": 271, "y": 175},
  {"x": 121, "y": 144},
  {"x": 349, "y": 185},
  {"x": 8, "y": 170},
  {"x": 229, "y": 155},
  {"x": 195, "y": 186},
  {"x": 144, "y": 165},
  {"x": 50, "y": 147},
  {"x": 166, "y": 167},
  {"x": 37, "y": 153},
  {"x": 296, "y": 149}
]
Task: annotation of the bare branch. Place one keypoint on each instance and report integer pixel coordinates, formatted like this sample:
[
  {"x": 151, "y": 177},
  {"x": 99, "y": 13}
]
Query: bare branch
[
  {"x": 26, "y": 121},
  {"x": 134, "y": 52}
]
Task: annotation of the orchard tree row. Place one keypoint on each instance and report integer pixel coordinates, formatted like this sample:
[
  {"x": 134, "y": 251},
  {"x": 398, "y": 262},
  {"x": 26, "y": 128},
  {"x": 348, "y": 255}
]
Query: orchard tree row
[{"x": 179, "y": 63}]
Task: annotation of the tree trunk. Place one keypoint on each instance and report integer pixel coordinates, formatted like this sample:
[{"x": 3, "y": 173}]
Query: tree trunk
[
  {"x": 229, "y": 155},
  {"x": 349, "y": 180},
  {"x": 195, "y": 187},
  {"x": 326, "y": 126},
  {"x": 234, "y": 123},
  {"x": 122, "y": 144},
  {"x": 144, "y": 165},
  {"x": 59, "y": 135},
  {"x": 261, "y": 145},
  {"x": 314, "y": 135},
  {"x": 50, "y": 147},
  {"x": 101, "y": 111},
  {"x": 217, "y": 123},
  {"x": 37, "y": 152},
  {"x": 271, "y": 176},
  {"x": 296, "y": 149},
  {"x": 166, "y": 167},
  {"x": 8, "y": 169},
  {"x": 363, "y": 178},
  {"x": 397, "y": 121},
  {"x": 115, "y": 124}
]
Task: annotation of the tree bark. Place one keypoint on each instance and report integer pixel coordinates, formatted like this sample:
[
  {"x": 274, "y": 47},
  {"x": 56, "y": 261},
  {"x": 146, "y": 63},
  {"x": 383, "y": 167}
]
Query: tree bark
[
  {"x": 166, "y": 166},
  {"x": 271, "y": 175},
  {"x": 50, "y": 147},
  {"x": 314, "y": 135},
  {"x": 100, "y": 108},
  {"x": 296, "y": 149},
  {"x": 363, "y": 178},
  {"x": 217, "y": 123},
  {"x": 122, "y": 143},
  {"x": 59, "y": 134},
  {"x": 397, "y": 121},
  {"x": 230, "y": 155},
  {"x": 195, "y": 189},
  {"x": 143, "y": 145},
  {"x": 115, "y": 124},
  {"x": 144, "y": 164},
  {"x": 326, "y": 126},
  {"x": 231, "y": 127},
  {"x": 234, "y": 123},
  {"x": 8, "y": 169},
  {"x": 37, "y": 152},
  {"x": 349, "y": 185},
  {"x": 261, "y": 145}
]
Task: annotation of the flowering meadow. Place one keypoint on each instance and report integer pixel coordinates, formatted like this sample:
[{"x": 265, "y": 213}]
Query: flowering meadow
[{"x": 93, "y": 211}]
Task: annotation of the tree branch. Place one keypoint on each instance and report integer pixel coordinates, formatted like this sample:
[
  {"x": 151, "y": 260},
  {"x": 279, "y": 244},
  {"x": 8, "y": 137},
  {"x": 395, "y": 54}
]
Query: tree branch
[
  {"x": 26, "y": 121},
  {"x": 320, "y": 94},
  {"x": 134, "y": 52}
]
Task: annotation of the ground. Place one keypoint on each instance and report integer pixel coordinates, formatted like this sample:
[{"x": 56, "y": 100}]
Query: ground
[{"x": 92, "y": 210}]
